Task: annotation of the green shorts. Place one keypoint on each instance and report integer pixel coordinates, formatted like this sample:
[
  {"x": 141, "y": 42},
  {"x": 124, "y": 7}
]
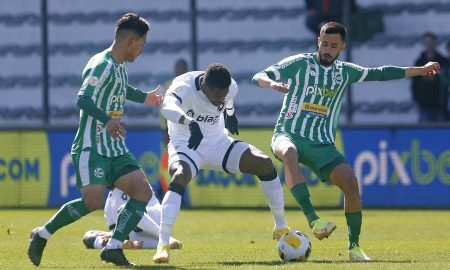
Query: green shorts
[
  {"x": 92, "y": 168},
  {"x": 321, "y": 158}
]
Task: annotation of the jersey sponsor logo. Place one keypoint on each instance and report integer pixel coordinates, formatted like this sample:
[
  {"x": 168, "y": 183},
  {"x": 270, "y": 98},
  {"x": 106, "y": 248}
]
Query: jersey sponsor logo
[
  {"x": 190, "y": 113},
  {"x": 320, "y": 91},
  {"x": 314, "y": 110},
  {"x": 98, "y": 172},
  {"x": 203, "y": 118},
  {"x": 285, "y": 64},
  {"x": 93, "y": 80},
  {"x": 124, "y": 196},
  {"x": 337, "y": 79},
  {"x": 115, "y": 114},
  {"x": 117, "y": 99},
  {"x": 292, "y": 108}
]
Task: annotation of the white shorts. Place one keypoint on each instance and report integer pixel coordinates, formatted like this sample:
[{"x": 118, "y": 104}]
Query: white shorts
[
  {"x": 223, "y": 155},
  {"x": 117, "y": 199}
]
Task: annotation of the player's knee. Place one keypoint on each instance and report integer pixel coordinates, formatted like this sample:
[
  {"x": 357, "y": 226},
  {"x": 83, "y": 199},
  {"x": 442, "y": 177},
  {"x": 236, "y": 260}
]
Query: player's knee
[
  {"x": 350, "y": 186},
  {"x": 94, "y": 203},
  {"x": 289, "y": 154},
  {"x": 180, "y": 175},
  {"x": 146, "y": 193},
  {"x": 265, "y": 165}
]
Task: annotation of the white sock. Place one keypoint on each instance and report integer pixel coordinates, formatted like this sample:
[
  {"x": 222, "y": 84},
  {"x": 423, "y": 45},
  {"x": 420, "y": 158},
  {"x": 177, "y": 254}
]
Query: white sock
[
  {"x": 274, "y": 193},
  {"x": 98, "y": 242},
  {"x": 170, "y": 209},
  {"x": 113, "y": 244},
  {"x": 149, "y": 226},
  {"x": 164, "y": 234},
  {"x": 42, "y": 232}
]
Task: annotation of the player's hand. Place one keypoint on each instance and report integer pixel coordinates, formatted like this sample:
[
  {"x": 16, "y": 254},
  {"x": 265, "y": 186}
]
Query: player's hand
[
  {"x": 154, "y": 97},
  {"x": 116, "y": 128},
  {"x": 196, "y": 135},
  {"x": 231, "y": 123},
  {"x": 280, "y": 87},
  {"x": 431, "y": 69}
]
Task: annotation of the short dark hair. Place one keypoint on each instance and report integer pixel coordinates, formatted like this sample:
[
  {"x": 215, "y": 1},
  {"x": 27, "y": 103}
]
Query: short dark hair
[
  {"x": 217, "y": 76},
  {"x": 429, "y": 35},
  {"x": 334, "y": 28},
  {"x": 132, "y": 22}
]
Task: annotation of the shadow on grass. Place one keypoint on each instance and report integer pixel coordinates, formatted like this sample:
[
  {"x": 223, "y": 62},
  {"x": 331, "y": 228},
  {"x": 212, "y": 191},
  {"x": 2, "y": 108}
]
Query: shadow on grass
[
  {"x": 372, "y": 261},
  {"x": 312, "y": 262}
]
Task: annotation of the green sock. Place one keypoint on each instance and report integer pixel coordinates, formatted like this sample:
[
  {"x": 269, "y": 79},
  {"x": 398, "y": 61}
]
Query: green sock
[
  {"x": 354, "y": 221},
  {"x": 301, "y": 195},
  {"x": 68, "y": 213},
  {"x": 128, "y": 218}
]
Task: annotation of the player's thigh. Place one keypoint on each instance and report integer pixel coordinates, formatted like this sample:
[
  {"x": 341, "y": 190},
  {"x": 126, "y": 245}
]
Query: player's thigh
[
  {"x": 90, "y": 168},
  {"x": 129, "y": 177},
  {"x": 255, "y": 161},
  {"x": 184, "y": 160},
  {"x": 284, "y": 148},
  {"x": 322, "y": 159}
]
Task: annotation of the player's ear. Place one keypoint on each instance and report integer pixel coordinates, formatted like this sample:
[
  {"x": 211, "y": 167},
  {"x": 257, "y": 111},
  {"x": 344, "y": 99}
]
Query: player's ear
[{"x": 344, "y": 45}]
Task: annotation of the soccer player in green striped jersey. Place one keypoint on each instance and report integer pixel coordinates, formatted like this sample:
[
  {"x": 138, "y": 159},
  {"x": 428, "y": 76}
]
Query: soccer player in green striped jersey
[
  {"x": 99, "y": 153},
  {"x": 314, "y": 86}
]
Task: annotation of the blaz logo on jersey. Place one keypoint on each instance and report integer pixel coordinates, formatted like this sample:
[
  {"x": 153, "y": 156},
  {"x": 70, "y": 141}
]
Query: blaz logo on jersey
[{"x": 203, "y": 118}]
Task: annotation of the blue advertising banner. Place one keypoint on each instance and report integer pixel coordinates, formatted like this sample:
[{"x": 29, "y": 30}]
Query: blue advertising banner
[
  {"x": 144, "y": 145},
  {"x": 401, "y": 167}
]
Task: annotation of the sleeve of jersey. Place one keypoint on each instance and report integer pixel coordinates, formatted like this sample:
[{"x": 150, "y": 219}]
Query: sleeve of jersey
[
  {"x": 171, "y": 106},
  {"x": 384, "y": 73},
  {"x": 88, "y": 106},
  {"x": 135, "y": 94},
  {"x": 94, "y": 79},
  {"x": 283, "y": 70}
]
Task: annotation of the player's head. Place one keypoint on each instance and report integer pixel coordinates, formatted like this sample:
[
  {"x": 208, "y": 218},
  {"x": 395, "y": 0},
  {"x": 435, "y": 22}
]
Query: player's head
[
  {"x": 131, "y": 30},
  {"x": 215, "y": 83},
  {"x": 181, "y": 67},
  {"x": 429, "y": 41},
  {"x": 331, "y": 42}
]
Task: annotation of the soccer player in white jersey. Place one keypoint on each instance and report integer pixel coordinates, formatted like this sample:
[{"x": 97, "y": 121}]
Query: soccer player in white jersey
[
  {"x": 146, "y": 233},
  {"x": 99, "y": 152},
  {"x": 194, "y": 106},
  {"x": 306, "y": 127}
]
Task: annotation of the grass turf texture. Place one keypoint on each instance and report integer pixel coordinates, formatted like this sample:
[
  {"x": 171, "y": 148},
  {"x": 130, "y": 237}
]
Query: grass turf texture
[{"x": 241, "y": 239}]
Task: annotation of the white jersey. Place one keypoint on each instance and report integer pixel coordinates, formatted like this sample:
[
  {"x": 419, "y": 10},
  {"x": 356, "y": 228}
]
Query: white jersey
[{"x": 195, "y": 104}]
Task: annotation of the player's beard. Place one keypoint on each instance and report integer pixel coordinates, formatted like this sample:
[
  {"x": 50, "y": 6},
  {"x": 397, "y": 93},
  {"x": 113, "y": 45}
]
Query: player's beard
[{"x": 327, "y": 61}]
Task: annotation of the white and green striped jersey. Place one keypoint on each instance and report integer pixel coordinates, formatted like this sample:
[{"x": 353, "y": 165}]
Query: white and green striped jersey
[
  {"x": 105, "y": 81},
  {"x": 312, "y": 105}
]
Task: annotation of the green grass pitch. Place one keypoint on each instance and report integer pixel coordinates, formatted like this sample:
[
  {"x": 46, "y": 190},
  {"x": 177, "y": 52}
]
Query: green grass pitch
[{"x": 241, "y": 239}]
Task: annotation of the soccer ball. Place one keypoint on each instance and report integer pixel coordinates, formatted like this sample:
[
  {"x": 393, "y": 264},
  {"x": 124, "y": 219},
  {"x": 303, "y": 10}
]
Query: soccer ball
[{"x": 294, "y": 246}]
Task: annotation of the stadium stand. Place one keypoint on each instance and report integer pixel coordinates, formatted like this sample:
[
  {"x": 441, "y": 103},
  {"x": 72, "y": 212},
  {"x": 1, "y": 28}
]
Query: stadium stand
[{"x": 245, "y": 35}]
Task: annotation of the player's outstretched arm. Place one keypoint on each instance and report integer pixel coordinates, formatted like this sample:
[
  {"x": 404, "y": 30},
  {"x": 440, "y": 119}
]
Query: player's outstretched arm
[
  {"x": 262, "y": 80},
  {"x": 154, "y": 97},
  {"x": 430, "y": 69}
]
